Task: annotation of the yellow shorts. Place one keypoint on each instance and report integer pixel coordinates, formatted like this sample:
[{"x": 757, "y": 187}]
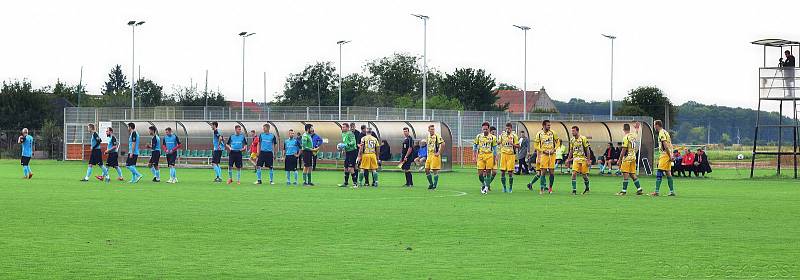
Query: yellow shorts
[
  {"x": 253, "y": 155},
  {"x": 664, "y": 163},
  {"x": 546, "y": 161},
  {"x": 369, "y": 162},
  {"x": 580, "y": 166},
  {"x": 507, "y": 162},
  {"x": 485, "y": 161},
  {"x": 628, "y": 167},
  {"x": 433, "y": 162}
]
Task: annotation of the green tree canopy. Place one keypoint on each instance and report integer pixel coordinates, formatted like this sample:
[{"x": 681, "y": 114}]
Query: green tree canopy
[
  {"x": 318, "y": 80},
  {"x": 647, "y": 101},
  {"x": 117, "y": 82},
  {"x": 472, "y": 88}
]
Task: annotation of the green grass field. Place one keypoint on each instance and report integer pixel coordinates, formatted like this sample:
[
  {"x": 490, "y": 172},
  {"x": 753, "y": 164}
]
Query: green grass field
[{"x": 722, "y": 227}]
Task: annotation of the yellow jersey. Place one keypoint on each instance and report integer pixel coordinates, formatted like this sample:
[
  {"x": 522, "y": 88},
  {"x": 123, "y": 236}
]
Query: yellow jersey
[
  {"x": 434, "y": 142},
  {"x": 580, "y": 148},
  {"x": 630, "y": 142},
  {"x": 664, "y": 141},
  {"x": 507, "y": 143},
  {"x": 371, "y": 144},
  {"x": 546, "y": 140},
  {"x": 485, "y": 143}
]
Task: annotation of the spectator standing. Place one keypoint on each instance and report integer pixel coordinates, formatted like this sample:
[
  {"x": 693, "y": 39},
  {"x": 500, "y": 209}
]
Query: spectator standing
[{"x": 522, "y": 154}]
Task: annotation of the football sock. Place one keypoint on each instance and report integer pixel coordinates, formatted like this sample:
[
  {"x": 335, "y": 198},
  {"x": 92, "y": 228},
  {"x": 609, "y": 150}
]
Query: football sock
[
  {"x": 172, "y": 173},
  {"x": 119, "y": 171},
  {"x": 503, "y": 180},
  {"x": 309, "y": 177},
  {"x": 295, "y": 176},
  {"x": 366, "y": 177},
  {"x": 305, "y": 181},
  {"x": 436, "y": 180},
  {"x": 25, "y": 171},
  {"x": 258, "y": 174},
  {"x": 669, "y": 183},
  {"x": 542, "y": 183},
  {"x": 409, "y": 181},
  {"x": 288, "y": 177},
  {"x": 586, "y": 182},
  {"x": 217, "y": 171},
  {"x": 88, "y": 172},
  {"x": 510, "y": 182},
  {"x": 105, "y": 171},
  {"x": 535, "y": 178},
  {"x": 552, "y": 178},
  {"x": 230, "y": 173},
  {"x": 355, "y": 176},
  {"x": 480, "y": 178},
  {"x": 347, "y": 178},
  {"x": 491, "y": 179},
  {"x": 636, "y": 183},
  {"x": 29, "y": 169},
  {"x": 271, "y": 174},
  {"x": 375, "y": 176},
  {"x": 430, "y": 179},
  {"x": 360, "y": 178},
  {"x": 574, "y": 185},
  {"x": 659, "y": 176},
  {"x": 625, "y": 185},
  {"x": 136, "y": 171}
]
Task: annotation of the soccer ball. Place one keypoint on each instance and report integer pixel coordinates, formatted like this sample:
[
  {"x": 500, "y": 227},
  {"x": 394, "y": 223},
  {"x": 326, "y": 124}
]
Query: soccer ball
[
  {"x": 340, "y": 146},
  {"x": 740, "y": 157}
]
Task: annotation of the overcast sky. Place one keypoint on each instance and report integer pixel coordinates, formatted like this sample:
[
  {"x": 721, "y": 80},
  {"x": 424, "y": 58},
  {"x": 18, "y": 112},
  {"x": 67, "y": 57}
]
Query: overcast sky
[{"x": 693, "y": 50}]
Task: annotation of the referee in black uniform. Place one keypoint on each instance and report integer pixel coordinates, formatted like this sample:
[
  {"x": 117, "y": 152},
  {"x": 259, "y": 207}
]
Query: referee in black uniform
[{"x": 408, "y": 157}]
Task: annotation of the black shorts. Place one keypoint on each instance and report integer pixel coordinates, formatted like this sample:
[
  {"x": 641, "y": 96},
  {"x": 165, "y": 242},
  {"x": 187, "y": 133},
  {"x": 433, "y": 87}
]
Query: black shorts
[
  {"x": 171, "y": 158},
  {"x": 155, "y": 156},
  {"x": 265, "y": 159},
  {"x": 96, "y": 157},
  {"x": 350, "y": 159},
  {"x": 216, "y": 157},
  {"x": 235, "y": 159},
  {"x": 113, "y": 159},
  {"x": 407, "y": 164},
  {"x": 131, "y": 161},
  {"x": 291, "y": 163},
  {"x": 25, "y": 160},
  {"x": 308, "y": 156}
]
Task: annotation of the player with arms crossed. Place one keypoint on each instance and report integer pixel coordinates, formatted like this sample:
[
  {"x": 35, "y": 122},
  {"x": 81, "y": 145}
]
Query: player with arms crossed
[
  {"x": 509, "y": 142},
  {"x": 171, "y": 144},
  {"x": 27, "y": 152},
  {"x": 628, "y": 157},
  {"x": 578, "y": 153},
  {"x": 266, "y": 156},
  {"x": 96, "y": 156},
  {"x": 434, "y": 162},
  {"x": 545, "y": 143},
  {"x": 368, "y": 157},
  {"x": 408, "y": 153},
  {"x": 113, "y": 157},
  {"x": 484, "y": 146},
  {"x": 665, "y": 160}
]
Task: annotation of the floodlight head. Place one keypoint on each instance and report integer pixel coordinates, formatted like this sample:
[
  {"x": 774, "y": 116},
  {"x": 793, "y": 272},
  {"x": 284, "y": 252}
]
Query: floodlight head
[
  {"x": 140, "y": 23},
  {"x": 132, "y": 22},
  {"x": 342, "y": 42},
  {"x": 423, "y": 17},
  {"x": 612, "y": 37},
  {"x": 242, "y": 33},
  {"x": 522, "y": 27}
]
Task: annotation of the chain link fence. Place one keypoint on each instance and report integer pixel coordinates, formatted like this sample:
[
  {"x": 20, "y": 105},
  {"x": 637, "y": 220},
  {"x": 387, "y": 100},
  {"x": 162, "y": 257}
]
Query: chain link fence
[{"x": 463, "y": 124}]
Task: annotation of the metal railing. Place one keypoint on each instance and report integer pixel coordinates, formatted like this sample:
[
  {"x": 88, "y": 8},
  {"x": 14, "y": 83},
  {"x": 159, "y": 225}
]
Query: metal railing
[{"x": 779, "y": 82}]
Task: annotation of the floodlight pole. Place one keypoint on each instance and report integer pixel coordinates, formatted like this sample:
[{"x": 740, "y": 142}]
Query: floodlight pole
[
  {"x": 524, "y": 71},
  {"x": 133, "y": 24},
  {"x": 424, "y": 19},
  {"x": 244, "y": 36},
  {"x": 340, "y": 43},
  {"x": 611, "y": 101}
]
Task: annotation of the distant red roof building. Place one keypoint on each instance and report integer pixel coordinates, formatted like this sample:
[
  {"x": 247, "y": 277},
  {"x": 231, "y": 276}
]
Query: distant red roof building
[
  {"x": 538, "y": 101},
  {"x": 249, "y": 106}
]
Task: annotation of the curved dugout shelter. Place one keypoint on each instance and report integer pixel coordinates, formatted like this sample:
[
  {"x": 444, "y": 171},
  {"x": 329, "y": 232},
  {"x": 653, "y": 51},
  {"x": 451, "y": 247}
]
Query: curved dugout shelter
[
  {"x": 196, "y": 136},
  {"x": 599, "y": 135}
]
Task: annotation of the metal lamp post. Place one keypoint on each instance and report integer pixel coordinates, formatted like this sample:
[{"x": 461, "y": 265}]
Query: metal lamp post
[
  {"x": 340, "y": 43},
  {"x": 244, "y": 36},
  {"x": 611, "y": 100},
  {"x": 424, "y": 19},
  {"x": 133, "y": 24},
  {"x": 525, "y": 72}
]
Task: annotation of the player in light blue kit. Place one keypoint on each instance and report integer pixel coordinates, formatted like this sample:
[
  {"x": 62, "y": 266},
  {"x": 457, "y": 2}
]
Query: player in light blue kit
[{"x": 27, "y": 152}]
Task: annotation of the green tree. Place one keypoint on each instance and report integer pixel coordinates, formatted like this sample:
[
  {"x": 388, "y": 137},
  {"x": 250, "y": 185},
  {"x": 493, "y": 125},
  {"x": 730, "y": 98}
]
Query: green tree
[
  {"x": 117, "y": 82},
  {"x": 437, "y": 101},
  {"x": 505, "y": 86},
  {"x": 22, "y": 106},
  {"x": 397, "y": 76},
  {"x": 472, "y": 88},
  {"x": 355, "y": 89},
  {"x": 69, "y": 92},
  {"x": 647, "y": 101},
  {"x": 314, "y": 85},
  {"x": 189, "y": 96},
  {"x": 149, "y": 94},
  {"x": 725, "y": 139}
]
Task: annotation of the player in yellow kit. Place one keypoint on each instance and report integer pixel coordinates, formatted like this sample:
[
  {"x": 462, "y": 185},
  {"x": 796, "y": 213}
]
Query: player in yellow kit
[
  {"x": 665, "y": 160},
  {"x": 368, "y": 157},
  {"x": 578, "y": 152},
  {"x": 628, "y": 160},
  {"x": 484, "y": 146},
  {"x": 434, "y": 161},
  {"x": 509, "y": 142},
  {"x": 545, "y": 143}
]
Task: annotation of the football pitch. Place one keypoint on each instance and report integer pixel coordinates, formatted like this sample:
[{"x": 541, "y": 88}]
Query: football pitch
[{"x": 722, "y": 227}]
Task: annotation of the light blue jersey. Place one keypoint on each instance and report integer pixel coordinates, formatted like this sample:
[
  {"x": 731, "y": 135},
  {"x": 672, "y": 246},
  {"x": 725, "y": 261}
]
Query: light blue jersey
[
  {"x": 237, "y": 142},
  {"x": 156, "y": 143},
  {"x": 27, "y": 146},
  {"x": 96, "y": 141},
  {"x": 291, "y": 145},
  {"x": 267, "y": 140},
  {"x": 134, "y": 137},
  {"x": 218, "y": 145},
  {"x": 171, "y": 142}
]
